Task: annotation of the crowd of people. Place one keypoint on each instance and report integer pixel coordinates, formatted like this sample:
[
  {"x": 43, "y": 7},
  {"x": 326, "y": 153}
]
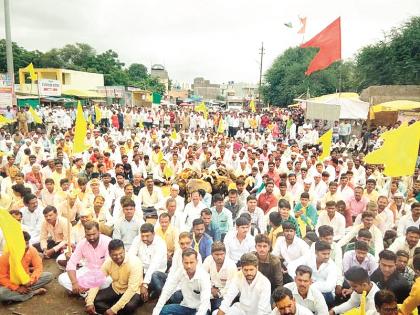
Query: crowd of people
[{"x": 286, "y": 233}]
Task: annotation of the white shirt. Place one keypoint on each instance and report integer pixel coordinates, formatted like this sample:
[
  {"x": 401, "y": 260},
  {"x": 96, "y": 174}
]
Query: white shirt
[
  {"x": 33, "y": 220},
  {"x": 300, "y": 310},
  {"x": 192, "y": 212},
  {"x": 234, "y": 248},
  {"x": 354, "y": 301},
  {"x": 405, "y": 222},
  {"x": 338, "y": 223},
  {"x": 220, "y": 278},
  {"x": 385, "y": 220},
  {"x": 254, "y": 298},
  {"x": 291, "y": 252},
  {"x": 153, "y": 256},
  {"x": 200, "y": 282},
  {"x": 324, "y": 278},
  {"x": 377, "y": 239},
  {"x": 118, "y": 213},
  {"x": 177, "y": 260},
  {"x": 257, "y": 218},
  {"x": 314, "y": 300}
]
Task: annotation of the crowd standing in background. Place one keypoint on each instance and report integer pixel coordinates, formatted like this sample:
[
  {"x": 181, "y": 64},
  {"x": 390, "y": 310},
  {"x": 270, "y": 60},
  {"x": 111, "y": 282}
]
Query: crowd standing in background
[{"x": 209, "y": 212}]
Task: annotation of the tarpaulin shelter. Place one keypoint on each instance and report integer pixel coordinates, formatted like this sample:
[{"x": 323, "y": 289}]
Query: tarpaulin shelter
[{"x": 336, "y": 106}]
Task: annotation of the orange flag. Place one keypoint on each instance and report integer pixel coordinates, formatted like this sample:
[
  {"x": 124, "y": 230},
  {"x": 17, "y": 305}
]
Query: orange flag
[{"x": 329, "y": 43}]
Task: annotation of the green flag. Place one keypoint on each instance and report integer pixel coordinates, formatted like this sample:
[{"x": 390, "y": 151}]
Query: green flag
[{"x": 156, "y": 98}]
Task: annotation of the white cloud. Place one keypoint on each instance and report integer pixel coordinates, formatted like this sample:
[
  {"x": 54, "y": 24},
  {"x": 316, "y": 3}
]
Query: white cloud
[{"x": 216, "y": 39}]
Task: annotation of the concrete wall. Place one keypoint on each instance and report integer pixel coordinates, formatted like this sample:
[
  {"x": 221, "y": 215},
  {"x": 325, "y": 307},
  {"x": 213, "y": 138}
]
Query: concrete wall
[{"x": 386, "y": 93}]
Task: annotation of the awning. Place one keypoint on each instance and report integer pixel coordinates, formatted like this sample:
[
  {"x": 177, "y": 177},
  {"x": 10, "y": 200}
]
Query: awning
[
  {"x": 395, "y": 106},
  {"x": 82, "y": 93},
  {"x": 57, "y": 99}
]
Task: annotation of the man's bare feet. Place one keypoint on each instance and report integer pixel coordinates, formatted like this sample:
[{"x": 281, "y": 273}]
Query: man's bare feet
[{"x": 40, "y": 291}]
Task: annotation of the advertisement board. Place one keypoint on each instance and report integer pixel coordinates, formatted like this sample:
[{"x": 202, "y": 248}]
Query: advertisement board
[
  {"x": 6, "y": 91},
  {"x": 49, "y": 87}
]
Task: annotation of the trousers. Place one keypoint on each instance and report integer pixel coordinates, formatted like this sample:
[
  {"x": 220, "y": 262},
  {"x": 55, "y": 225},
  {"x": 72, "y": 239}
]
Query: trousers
[
  {"x": 7, "y": 295},
  {"x": 106, "y": 298}
]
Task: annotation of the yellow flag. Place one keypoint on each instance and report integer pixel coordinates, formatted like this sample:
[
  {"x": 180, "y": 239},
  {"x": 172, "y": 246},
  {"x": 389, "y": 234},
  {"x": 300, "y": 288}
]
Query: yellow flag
[
  {"x": 325, "y": 140},
  {"x": 363, "y": 303},
  {"x": 221, "y": 127},
  {"x": 399, "y": 151},
  {"x": 167, "y": 171},
  {"x": 80, "y": 131},
  {"x": 12, "y": 232},
  {"x": 141, "y": 124},
  {"x": 252, "y": 106},
  {"x": 91, "y": 126},
  {"x": 98, "y": 114},
  {"x": 201, "y": 108},
  {"x": 4, "y": 120},
  {"x": 174, "y": 135},
  {"x": 35, "y": 115},
  {"x": 160, "y": 156},
  {"x": 32, "y": 74}
]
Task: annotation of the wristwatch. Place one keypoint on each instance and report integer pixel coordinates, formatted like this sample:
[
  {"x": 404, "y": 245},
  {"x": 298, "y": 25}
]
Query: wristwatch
[{"x": 145, "y": 285}]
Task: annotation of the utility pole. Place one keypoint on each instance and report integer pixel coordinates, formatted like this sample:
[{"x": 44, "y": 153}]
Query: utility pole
[
  {"x": 9, "y": 52},
  {"x": 261, "y": 64}
]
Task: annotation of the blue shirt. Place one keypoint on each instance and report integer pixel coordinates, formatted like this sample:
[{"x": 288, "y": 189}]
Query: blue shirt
[{"x": 204, "y": 246}]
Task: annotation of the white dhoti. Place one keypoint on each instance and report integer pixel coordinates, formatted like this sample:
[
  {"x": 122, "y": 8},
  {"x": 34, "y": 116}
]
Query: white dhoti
[{"x": 64, "y": 279}]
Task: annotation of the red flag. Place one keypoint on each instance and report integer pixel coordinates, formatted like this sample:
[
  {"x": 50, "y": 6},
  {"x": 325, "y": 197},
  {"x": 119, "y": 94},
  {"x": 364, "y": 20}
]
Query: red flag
[
  {"x": 303, "y": 27},
  {"x": 329, "y": 43}
]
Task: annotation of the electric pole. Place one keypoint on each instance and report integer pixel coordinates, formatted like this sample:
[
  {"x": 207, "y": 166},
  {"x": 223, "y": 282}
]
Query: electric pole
[
  {"x": 9, "y": 52},
  {"x": 261, "y": 64}
]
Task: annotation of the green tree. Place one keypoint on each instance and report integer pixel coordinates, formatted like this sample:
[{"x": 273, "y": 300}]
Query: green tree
[
  {"x": 394, "y": 60},
  {"x": 286, "y": 78},
  {"x": 137, "y": 72}
]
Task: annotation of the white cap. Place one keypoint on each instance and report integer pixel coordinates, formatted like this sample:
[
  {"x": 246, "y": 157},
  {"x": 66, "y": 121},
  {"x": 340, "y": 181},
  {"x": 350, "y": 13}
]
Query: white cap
[
  {"x": 175, "y": 186},
  {"x": 307, "y": 181}
]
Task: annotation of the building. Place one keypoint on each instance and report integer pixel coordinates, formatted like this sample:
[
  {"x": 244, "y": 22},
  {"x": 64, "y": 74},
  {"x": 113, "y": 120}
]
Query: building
[
  {"x": 239, "y": 90},
  {"x": 67, "y": 80},
  {"x": 205, "y": 89},
  {"x": 159, "y": 72}
]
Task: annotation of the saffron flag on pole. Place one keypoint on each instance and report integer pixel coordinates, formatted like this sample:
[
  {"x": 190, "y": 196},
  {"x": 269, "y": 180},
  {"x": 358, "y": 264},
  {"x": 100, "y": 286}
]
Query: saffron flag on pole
[
  {"x": 35, "y": 115},
  {"x": 252, "y": 106},
  {"x": 15, "y": 243},
  {"x": 80, "y": 131},
  {"x": 325, "y": 140},
  {"x": 399, "y": 150},
  {"x": 98, "y": 114},
  {"x": 329, "y": 43},
  {"x": 303, "y": 25}
]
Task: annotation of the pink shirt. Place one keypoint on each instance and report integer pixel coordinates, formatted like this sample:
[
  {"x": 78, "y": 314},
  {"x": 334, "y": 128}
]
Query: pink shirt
[
  {"x": 354, "y": 208},
  {"x": 94, "y": 257}
]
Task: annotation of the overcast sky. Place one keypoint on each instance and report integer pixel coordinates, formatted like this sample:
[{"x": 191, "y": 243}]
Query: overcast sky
[{"x": 216, "y": 39}]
